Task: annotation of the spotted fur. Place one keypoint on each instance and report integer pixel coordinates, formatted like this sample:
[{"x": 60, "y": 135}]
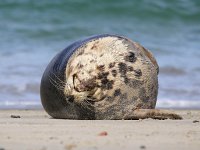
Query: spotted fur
[
  {"x": 119, "y": 69},
  {"x": 108, "y": 76}
]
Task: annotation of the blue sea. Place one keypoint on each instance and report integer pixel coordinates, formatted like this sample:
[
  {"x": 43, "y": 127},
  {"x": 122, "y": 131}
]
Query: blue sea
[{"x": 33, "y": 31}]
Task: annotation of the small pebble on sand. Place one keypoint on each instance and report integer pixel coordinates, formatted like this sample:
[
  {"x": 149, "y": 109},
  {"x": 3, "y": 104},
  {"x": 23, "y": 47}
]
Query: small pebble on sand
[
  {"x": 195, "y": 121},
  {"x": 15, "y": 116},
  {"x": 103, "y": 133},
  {"x": 142, "y": 147}
]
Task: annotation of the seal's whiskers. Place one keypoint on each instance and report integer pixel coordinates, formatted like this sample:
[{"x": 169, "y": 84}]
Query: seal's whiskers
[{"x": 56, "y": 84}]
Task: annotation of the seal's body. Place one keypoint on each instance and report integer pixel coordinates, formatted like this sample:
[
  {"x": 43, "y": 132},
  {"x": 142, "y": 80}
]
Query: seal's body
[{"x": 102, "y": 77}]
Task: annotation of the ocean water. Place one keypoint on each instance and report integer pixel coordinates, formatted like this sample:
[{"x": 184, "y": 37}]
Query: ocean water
[{"x": 32, "y": 32}]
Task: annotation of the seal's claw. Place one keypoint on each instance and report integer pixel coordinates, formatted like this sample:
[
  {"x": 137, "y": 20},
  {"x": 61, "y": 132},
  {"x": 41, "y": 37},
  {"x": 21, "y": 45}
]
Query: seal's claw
[{"x": 152, "y": 113}]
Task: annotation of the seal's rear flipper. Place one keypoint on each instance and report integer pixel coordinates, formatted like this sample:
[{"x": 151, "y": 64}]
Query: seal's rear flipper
[{"x": 152, "y": 113}]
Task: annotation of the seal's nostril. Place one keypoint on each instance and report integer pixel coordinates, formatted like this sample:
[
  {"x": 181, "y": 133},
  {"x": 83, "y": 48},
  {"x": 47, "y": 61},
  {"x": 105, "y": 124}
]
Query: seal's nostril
[
  {"x": 81, "y": 85},
  {"x": 70, "y": 98}
]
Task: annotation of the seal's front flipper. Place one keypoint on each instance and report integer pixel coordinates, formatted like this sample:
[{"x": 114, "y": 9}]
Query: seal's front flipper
[{"x": 152, "y": 113}]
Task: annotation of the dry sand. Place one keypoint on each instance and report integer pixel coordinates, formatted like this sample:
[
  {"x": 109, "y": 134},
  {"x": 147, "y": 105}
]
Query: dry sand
[{"x": 36, "y": 131}]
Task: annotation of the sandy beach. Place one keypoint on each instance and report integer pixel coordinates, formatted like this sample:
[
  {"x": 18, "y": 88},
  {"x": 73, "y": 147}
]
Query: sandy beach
[{"x": 35, "y": 130}]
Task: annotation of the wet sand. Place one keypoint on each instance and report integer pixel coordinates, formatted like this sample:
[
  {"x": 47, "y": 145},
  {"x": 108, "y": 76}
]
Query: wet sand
[{"x": 35, "y": 130}]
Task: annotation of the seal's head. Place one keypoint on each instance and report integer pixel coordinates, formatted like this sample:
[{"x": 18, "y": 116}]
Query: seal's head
[{"x": 103, "y": 77}]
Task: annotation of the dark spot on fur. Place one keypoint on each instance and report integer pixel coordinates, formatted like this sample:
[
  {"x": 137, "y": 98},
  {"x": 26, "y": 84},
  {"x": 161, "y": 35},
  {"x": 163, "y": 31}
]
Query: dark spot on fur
[
  {"x": 111, "y": 65},
  {"x": 130, "y": 68},
  {"x": 122, "y": 68},
  {"x": 117, "y": 92},
  {"x": 94, "y": 46},
  {"x": 135, "y": 83},
  {"x": 80, "y": 53},
  {"x": 101, "y": 55},
  {"x": 126, "y": 79},
  {"x": 104, "y": 81},
  {"x": 101, "y": 67},
  {"x": 102, "y": 75},
  {"x": 130, "y": 57},
  {"x": 80, "y": 65},
  {"x": 138, "y": 72},
  {"x": 114, "y": 73},
  {"x": 92, "y": 60},
  {"x": 107, "y": 84},
  {"x": 70, "y": 98}
]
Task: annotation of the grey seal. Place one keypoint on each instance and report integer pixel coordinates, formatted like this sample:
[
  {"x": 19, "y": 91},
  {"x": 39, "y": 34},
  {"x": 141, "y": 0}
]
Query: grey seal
[{"x": 102, "y": 77}]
